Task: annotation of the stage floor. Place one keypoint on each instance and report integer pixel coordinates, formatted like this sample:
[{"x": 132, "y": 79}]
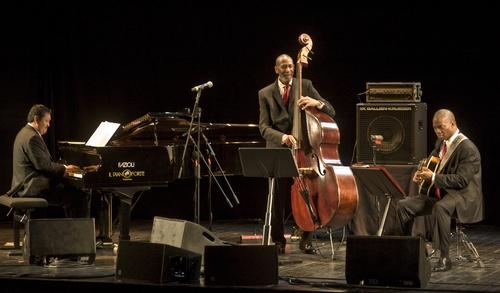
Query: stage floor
[{"x": 297, "y": 271}]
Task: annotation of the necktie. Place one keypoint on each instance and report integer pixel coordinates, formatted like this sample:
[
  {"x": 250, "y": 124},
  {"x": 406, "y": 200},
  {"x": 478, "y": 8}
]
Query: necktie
[
  {"x": 443, "y": 149},
  {"x": 286, "y": 93},
  {"x": 443, "y": 152}
]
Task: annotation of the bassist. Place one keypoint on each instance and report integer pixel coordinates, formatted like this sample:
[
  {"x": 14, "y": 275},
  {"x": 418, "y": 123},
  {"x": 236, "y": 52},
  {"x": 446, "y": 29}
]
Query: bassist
[{"x": 276, "y": 103}]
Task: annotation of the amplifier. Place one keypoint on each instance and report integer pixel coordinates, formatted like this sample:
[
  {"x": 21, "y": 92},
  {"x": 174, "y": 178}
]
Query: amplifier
[
  {"x": 393, "y": 92},
  {"x": 403, "y": 127},
  {"x": 68, "y": 237},
  {"x": 156, "y": 263}
]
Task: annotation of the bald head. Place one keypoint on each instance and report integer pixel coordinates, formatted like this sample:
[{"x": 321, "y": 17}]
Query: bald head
[
  {"x": 284, "y": 68},
  {"x": 281, "y": 58},
  {"x": 444, "y": 114},
  {"x": 444, "y": 124}
]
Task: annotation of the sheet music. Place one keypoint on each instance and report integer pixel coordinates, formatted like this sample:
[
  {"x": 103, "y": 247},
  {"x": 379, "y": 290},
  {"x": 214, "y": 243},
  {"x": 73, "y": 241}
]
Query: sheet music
[{"x": 102, "y": 134}]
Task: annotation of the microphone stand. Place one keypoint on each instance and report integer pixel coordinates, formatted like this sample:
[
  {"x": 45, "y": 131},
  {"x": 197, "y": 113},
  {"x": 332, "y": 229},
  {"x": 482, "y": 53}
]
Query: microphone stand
[
  {"x": 209, "y": 170},
  {"x": 196, "y": 112},
  {"x": 197, "y": 144},
  {"x": 197, "y": 183},
  {"x": 375, "y": 148},
  {"x": 212, "y": 153},
  {"x": 209, "y": 193},
  {"x": 374, "y": 154},
  {"x": 193, "y": 113}
]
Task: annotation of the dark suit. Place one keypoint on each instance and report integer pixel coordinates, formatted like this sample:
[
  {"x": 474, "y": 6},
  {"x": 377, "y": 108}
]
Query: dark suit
[
  {"x": 460, "y": 179},
  {"x": 276, "y": 120},
  {"x": 32, "y": 161},
  {"x": 34, "y": 174}
]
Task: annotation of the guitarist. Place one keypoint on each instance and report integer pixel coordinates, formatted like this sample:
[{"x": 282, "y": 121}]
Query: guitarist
[{"x": 457, "y": 186}]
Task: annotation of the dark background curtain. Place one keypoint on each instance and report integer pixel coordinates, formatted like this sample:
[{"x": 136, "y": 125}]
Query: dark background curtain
[{"x": 116, "y": 61}]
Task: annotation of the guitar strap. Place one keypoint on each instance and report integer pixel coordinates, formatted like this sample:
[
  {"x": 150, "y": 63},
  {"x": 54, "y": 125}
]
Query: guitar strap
[{"x": 460, "y": 137}]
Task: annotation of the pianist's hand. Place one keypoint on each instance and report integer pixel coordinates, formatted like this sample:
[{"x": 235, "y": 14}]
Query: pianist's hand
[
  {"x": 71, "y": 169},
  {"x": 91, "y": 168}
]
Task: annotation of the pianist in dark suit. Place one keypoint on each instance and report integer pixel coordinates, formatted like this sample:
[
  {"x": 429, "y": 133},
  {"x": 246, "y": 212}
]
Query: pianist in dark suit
[
  {"x": 35, "y": 174},
  {"x": 275, "y": 124},
  {"x": 458, "y": 177}
]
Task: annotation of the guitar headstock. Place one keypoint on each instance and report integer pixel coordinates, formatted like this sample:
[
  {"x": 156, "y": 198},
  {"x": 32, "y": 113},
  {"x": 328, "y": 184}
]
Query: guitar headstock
[{"x": 307, "y": 43}]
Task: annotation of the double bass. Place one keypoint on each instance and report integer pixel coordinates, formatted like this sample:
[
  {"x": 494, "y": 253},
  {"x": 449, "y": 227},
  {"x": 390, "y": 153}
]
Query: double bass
[{"x": 325, "y": 193}]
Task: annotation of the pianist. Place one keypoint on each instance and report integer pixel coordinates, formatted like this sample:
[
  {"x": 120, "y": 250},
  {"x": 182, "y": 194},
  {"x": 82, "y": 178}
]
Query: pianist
[{"x": 34, "y": 174}]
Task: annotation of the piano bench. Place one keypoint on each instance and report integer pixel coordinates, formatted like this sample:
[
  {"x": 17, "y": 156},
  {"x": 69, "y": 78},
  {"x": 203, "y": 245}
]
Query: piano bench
[{"x": 22, "y": 208}]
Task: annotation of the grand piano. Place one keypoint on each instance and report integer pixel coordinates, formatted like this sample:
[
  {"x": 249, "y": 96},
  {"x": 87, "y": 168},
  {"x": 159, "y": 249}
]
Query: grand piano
[{"x": 147, "y": 152}]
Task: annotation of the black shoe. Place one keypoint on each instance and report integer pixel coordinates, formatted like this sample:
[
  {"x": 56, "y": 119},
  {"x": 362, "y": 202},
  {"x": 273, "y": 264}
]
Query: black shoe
[
  {"x": 281, "y": 247},
  {"x": 429, "y": 250},
  {"x": 307, "y": 247},
  {"x": 443, "y": 264}
]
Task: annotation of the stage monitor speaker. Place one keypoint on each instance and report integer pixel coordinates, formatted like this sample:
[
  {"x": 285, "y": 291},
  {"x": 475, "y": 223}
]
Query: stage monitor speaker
[
  {"x": 386, "y": 261},
  {"x": 241, "y": 265},
  {"x": 68, "y": 237},
  {"x": 156, "y": 263},
  {"x": 403, "y": 127},
  {"x": 183, "y": 234}
]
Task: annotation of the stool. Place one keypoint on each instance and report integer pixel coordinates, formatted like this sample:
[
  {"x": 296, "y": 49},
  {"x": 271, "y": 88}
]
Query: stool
[
  {"x": 22, "y": 208},
  {"x": 463, "y": 240}
]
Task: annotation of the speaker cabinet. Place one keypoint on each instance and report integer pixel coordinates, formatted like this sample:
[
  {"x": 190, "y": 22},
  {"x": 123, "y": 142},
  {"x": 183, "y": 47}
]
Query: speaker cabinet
[
  {"x": 183, "y": 234},
  {"x": 156, "y": 263},
  {"x": 403, "y": 127},
  {"x": 386, "y": 261},
  {"x": 241, "y": 265},
  {"x": 60, "y": 238}
]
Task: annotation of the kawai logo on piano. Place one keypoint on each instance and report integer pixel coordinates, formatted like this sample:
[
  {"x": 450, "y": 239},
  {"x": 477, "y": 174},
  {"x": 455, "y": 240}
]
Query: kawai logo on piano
[
  {"x": 126, "y": 164},
  {"x": 126, "y": 174}
]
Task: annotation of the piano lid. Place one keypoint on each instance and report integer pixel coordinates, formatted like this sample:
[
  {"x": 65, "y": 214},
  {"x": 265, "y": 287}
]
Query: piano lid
[
  {"x": 170, "y": 127},
  {"x": 164, "y": 121},
  {"x": 151, "y": 117}
]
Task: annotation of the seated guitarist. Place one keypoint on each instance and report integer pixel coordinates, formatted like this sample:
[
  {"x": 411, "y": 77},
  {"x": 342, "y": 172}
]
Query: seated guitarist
[{"x": 456, "y": 182}]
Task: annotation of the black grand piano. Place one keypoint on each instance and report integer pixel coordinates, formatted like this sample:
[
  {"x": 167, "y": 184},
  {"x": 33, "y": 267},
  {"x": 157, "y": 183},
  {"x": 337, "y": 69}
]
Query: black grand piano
[{"x": 147, "y": 152}]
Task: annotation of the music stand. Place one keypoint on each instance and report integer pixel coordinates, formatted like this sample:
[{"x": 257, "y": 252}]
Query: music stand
[
  {"x": 271, "y": 163},
  {"x": 377, "y": 180}
]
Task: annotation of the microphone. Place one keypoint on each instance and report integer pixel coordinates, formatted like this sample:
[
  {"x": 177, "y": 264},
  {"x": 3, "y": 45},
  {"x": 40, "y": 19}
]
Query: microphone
[
  {"x": 202, "y": 86},
  {"x": 376, "y": 138}
]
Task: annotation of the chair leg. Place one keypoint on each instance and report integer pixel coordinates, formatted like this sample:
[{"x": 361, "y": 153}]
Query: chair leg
[
  {"x": 463, "y": 239},
  {"x": 342, "y": 240},
  {"x": 330, "y": 232},
  {"x": 16, "y": 227},
  {"x": 459, "y": 235}
]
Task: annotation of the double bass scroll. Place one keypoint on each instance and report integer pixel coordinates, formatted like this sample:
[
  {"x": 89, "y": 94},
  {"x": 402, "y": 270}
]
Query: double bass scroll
[{"x": 325, "y": 193}]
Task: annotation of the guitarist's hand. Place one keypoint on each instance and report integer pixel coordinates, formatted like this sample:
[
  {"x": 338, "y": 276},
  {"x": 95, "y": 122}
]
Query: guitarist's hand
[
  {"x": 417, "y": 178},
  {"x": 422, "y": 175}
]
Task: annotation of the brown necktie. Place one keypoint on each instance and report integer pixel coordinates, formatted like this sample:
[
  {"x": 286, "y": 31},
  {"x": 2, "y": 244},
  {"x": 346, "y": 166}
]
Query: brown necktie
[{"x": 286, "y": 93}]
